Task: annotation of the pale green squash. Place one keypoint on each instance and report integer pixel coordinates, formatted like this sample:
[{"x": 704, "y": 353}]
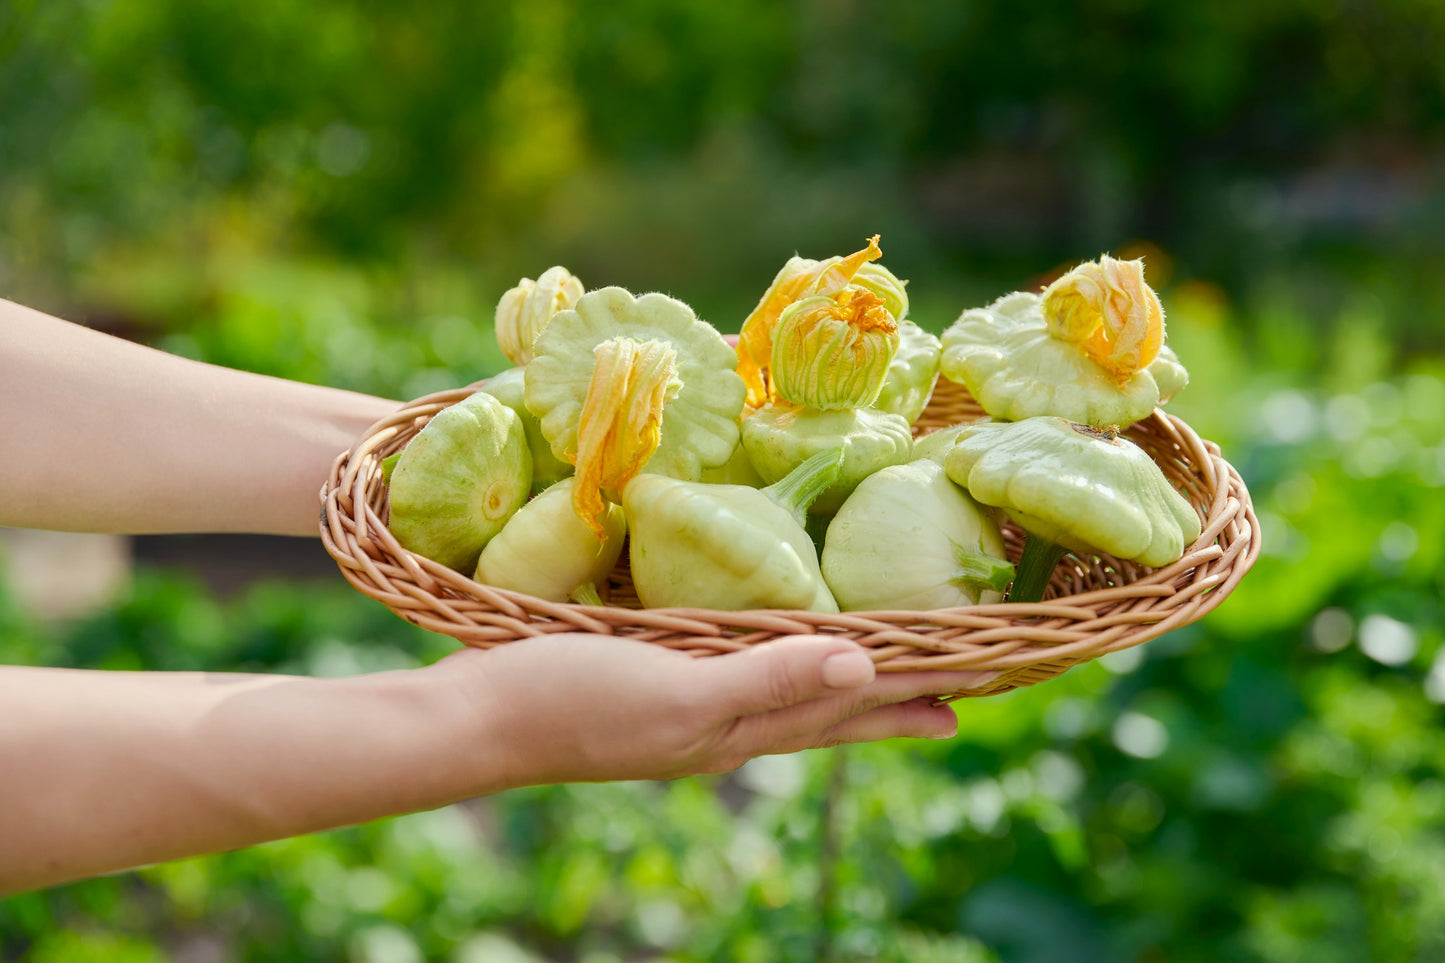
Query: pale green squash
[
  {"x": 731, "y": 547},
  {"x": 508, "y": 387},
  {"x": 909, "y": 538},
  {"x": 547, "y": 551},
  {"x": 1006, "y": 357},
  {"x": 911, "y": 376},
  {"x": 458, "y": 480},
  {"x": 779, "y": 439},
  {"x": 1076, "y": 488}
]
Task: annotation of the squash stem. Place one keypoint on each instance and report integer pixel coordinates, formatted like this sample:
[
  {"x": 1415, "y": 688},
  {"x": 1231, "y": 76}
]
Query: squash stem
[
  {"x": 388, "y": 465},
  {"x": 1035, "y": 566},
  {"x": 799, "y": 488},
  {"x": 586, "y": 594},
  {"x": 981, "y": 570}
]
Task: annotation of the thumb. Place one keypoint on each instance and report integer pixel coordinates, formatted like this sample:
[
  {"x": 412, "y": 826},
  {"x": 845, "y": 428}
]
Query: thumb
[{"x": 785, "y": 672}]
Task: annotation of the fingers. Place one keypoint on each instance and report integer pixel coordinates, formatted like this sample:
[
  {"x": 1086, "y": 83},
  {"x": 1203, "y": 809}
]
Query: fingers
[
  {"x": 886, "y": 689},
  {"x": 784, "y": 673},
  {"x": 893, "y": 705},
  {"x": 914, "y": 719}
]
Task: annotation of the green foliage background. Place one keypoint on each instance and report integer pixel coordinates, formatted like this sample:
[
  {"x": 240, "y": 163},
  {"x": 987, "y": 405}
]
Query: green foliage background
[{"x": 339, "y": 190}]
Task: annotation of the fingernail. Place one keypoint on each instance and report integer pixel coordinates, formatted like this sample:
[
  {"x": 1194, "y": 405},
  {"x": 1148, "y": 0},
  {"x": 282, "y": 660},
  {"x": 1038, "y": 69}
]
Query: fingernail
[
  {"x": 945, "y": 735},
  {"x": 847, "y": 670}
]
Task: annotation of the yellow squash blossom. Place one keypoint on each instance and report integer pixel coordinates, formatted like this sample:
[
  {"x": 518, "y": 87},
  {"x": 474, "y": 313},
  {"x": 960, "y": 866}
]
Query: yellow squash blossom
[
  {"x": 799, "y": 278},
  {"x": 1108, "y": 310},
  {"x": 528, "y": 307},
  {"x": 621, "y": 422},
  {"x": 832, "y": 352}
]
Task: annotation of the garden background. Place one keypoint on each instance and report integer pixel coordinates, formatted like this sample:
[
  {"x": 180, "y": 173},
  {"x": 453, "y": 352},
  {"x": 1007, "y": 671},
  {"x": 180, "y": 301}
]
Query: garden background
[{"x": 339, "y": 190}]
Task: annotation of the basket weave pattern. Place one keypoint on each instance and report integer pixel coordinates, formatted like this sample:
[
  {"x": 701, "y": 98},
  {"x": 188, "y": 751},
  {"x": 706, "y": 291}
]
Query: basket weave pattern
[{"x": 1092, "y": 606}]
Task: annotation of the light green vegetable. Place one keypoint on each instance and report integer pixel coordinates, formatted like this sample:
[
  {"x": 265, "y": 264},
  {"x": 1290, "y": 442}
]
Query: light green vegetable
[
  {"x": 737, "y": 470},
  {"x": 1072, "y": 488},
  {"x": 547, "y": 469},
  {"x": 545, "y": 550},
  {"x": 778, "y": 439},
  {"x": 909, "y": 538},
  {"x": 1010, "y": 359},
  {"x": 729, "y": 547},
  {"x": 699, "y": 422},
  {"x": 622, "y": 383},
  {"x": 388, "y": 465},
  {"x": 911, "y": 376},
  {"x": 458, "y": 481},
  {"x": 934, "y": 446}
]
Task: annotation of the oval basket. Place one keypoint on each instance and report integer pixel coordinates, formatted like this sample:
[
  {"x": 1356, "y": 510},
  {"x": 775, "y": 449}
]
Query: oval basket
[{"x": 1092, "y": 606}]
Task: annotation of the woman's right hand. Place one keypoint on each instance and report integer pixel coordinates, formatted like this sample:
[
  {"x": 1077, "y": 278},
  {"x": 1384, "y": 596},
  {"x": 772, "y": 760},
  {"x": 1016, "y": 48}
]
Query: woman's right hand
[{"x": 575, "y": 707}]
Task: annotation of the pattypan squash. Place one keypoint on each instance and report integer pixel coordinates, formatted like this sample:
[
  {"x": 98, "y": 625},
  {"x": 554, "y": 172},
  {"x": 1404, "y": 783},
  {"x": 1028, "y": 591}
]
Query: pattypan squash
[
  {"x": 912, "y": 374},
  {"x": 1072, "y": 488},
  {"x": 547, "y": 551},
  {"x": 909, "y": 538},
  {"x": 619, "y": 382},
  {"x": 526, "y": 309},
  {"x": 737, "y": 470},
  {"x": 731, "y": 547},
  {"x": 934, "y": 446},
  {"x": 507, "y": 387},
  {"x": 458, "y": 480},
  {"x": 1090, "y": 349},
  {"x": 778, "y": 438}
]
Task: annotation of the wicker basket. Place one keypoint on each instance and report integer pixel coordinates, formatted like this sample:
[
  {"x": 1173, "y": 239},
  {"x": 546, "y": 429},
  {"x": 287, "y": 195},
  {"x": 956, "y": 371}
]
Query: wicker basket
[{"x": 1091, "y": 607}]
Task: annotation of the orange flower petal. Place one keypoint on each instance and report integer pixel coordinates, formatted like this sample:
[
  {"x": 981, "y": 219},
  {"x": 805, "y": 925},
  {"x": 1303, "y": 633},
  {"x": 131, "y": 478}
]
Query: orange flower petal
[
  {"x": 1109, "y": 312},
  {"x": 621, "y": 421}
]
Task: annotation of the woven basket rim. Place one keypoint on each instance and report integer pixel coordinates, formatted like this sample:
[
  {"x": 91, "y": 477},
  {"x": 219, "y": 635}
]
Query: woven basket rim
[{"x": 1085, "y": 616}]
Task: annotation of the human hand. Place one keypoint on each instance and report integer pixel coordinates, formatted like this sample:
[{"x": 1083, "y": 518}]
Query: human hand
[{"x": 573, "y": 707}]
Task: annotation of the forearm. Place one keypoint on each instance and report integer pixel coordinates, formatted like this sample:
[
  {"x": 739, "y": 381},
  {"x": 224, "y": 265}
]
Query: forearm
[
  {"x": 108, "y": 770},
  {"x": 101, "y": 434},
  {"x": 100, "y": 771}
]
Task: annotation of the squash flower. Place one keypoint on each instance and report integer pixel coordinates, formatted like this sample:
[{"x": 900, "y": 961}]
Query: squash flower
[
  {"x": 831, "y": 357},
  {"x": 528, "y": 307},
  {"x": 1108, "y": 310},
  {"x": 833, "y": 352},
  {"x": 799, "y": 278}
]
